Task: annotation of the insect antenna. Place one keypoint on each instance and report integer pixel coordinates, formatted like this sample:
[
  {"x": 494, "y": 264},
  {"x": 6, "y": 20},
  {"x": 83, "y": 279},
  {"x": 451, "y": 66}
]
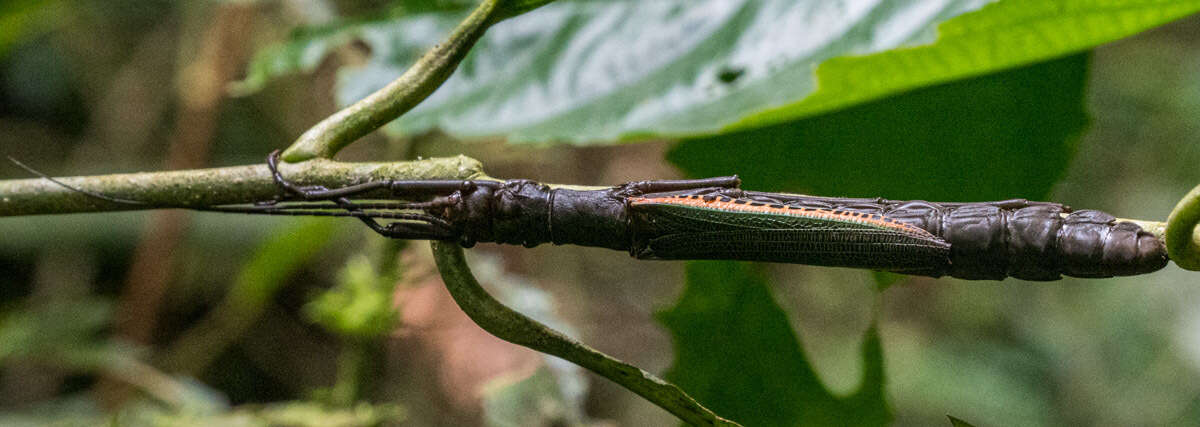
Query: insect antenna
[
  {"x": 270, "y": 209},
  {"x": 76, "y": 189},
  {"x": 309, "y": 211},
  {"x": 367, "y": 212}
]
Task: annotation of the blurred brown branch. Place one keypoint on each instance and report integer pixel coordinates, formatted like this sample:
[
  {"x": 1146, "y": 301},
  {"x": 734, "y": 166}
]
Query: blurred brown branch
[{"x": 223, "y": 53}]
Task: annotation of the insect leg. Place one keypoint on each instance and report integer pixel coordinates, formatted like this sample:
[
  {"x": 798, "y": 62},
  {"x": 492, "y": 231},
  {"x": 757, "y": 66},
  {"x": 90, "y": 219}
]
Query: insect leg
[
  {"x": 397, "y": 187},
  {"x": 405, "y": 230},
  {"x": 318, "y": 192},
  {"x": 412, "y": 225},
  {"x": 415, "y": 231},
  {"x": 638, "y": 188}
]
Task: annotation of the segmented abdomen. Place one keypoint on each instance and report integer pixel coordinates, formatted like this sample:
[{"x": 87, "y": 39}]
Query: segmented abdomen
[
  {"x": 1038, "y": 242},
  {"x": 1026, "y": 240}
]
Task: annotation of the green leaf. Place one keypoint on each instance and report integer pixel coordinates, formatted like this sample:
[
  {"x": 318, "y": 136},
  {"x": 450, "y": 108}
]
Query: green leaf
[
  {"x": 736, "y": 353},
  {"x": 1002, "y": 35},
  {"x": 302, "y": 54},
  {"x": 588, "y": 72},
  {"x": 536, "y": 400},
  {"x": 360, "y": 305},
  {"x": 994, "y": 137},
  {"x": 21, "y": 19},
  {"x": 307, "y": 47},
  {"x": 61, "y": 332},
  {"x": 595, "y": 72},
  {"x": 276, "y": 258}
]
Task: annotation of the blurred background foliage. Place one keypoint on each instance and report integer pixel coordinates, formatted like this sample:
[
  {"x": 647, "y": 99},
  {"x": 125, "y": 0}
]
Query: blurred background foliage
[{"x": 194, "y": 319}]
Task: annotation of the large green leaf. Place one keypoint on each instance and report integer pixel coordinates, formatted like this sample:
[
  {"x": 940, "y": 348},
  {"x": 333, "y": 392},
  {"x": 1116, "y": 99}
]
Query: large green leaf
[
  {"x": 736, "y": 353},
  {"x": 587, "y": 71},
  {"x": 993, "y": 137},
  {"x": 597, "y": 71},
  {"x": 1002, "y": 35},
  {"x": 997, "y": 136}
]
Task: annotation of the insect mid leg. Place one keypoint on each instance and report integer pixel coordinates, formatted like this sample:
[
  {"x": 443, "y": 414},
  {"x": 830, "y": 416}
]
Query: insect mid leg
[
  {"x": 416, "y": 231},
  {"x": 638, "y": 188},
  {"x": 409, "y": 225}
]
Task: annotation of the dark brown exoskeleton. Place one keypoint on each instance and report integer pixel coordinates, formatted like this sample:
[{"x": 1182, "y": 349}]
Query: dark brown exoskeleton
[
  {"x": 1017, "y": 238},
  {"x": 714, "y": 219}
]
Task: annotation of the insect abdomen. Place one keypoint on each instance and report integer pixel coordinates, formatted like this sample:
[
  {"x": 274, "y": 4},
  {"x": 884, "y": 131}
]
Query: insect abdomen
[
  {"x": 1037, "y": 242},
  {"x": 1094, "y": 244}
]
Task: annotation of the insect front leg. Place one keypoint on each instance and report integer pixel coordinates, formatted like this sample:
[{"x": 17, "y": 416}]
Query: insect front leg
[
  {"x": 317, "y": 192},
  {"x": 434, "y": 219}
]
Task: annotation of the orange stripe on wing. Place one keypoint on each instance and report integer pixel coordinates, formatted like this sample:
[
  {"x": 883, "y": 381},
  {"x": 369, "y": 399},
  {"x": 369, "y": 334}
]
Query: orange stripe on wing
[{"x": 741, "y": 205}]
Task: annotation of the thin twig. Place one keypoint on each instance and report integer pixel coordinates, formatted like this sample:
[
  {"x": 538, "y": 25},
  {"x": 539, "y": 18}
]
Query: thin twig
[
  {"x": 1182, "y": 235},
  {"x": 420, "y": 80},
  {"x": 516, "y": 328}
]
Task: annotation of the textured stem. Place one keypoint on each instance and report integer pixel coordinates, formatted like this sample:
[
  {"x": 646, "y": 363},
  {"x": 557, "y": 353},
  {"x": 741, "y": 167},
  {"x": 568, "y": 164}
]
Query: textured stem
[
  {"x": 516, "y": 328},
  {"x": 1183, "y": 238},
  {"x": 337, "y": 131},
  {"x": 1157, "y": 228},
  {"x": 207, "y": 187},
  {"x": 386, "y": 104}
]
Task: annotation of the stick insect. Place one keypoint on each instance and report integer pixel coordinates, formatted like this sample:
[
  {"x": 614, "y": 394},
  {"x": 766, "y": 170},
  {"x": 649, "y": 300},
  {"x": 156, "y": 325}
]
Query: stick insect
[{"x": 714, "y": 218}]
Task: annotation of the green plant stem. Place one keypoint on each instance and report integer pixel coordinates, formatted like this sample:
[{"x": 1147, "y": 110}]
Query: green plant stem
[
  {"x": 516, "y": 328},
  {"x": 207, "y": 187},
  {"x": 1183, "y": 238},
  {"x": 420, "y": 80},
  {"x": 1157, "y": 228}
]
